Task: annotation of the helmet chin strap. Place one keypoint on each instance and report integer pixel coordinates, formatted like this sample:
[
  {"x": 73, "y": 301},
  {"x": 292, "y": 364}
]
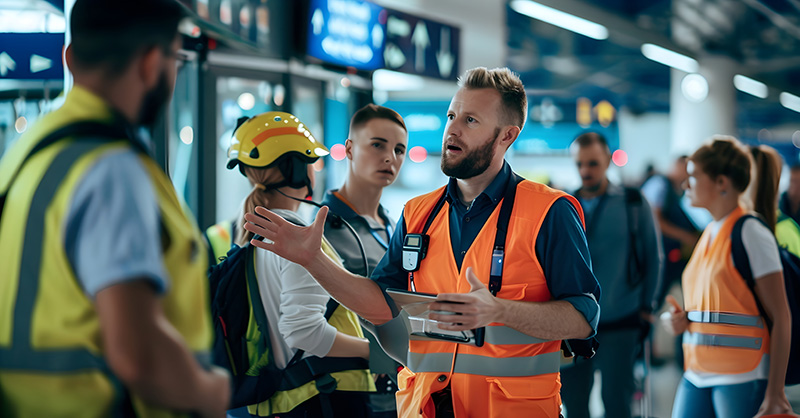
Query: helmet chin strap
[{"x": 277, "y": 186}]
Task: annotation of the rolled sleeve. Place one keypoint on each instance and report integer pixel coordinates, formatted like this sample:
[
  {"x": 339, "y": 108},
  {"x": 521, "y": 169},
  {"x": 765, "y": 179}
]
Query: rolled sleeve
[
  {"x": 564, "y": 255},
  {"x": 113, "y": 230}
]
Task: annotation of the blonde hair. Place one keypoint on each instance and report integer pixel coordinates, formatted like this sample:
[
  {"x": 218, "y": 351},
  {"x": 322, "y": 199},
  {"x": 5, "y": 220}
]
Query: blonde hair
[
  {"x": 259, "y": 196},
  {"x": 512, "y": 92}
]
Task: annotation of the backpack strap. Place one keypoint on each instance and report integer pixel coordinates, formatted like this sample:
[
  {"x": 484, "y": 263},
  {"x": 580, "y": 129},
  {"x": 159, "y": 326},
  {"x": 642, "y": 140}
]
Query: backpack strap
[
  {"x": 742, "y": 262},
  {"x": 633, "y": 205}
]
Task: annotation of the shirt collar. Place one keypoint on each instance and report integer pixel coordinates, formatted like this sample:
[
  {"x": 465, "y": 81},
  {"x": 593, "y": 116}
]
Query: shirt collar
[
  {"x": 494, "y": 191},
  {"x": 344, "y": 210}
]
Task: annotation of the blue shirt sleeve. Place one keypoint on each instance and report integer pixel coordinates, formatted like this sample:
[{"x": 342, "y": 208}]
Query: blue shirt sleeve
[
  {"x": 113, "y": 232},
  {"x": 389, "y": 272},
  {"x": 564, "y": 255}
]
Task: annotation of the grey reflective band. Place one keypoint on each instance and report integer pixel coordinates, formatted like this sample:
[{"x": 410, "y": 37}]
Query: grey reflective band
[
  {"x": 716, "y": 340},
  {"x": 431, "y": 362},
  {"x": 500, "y": 334},
  {"x": 485, "y": 366},
  {"x": 21, "y": 356},
  {"x": 725, "y": 318}
]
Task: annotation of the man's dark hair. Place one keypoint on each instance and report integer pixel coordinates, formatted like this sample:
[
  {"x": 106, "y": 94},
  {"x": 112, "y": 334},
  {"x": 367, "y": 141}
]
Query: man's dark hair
[
  {"x": 373, "y": 111},
  {"x": 109, "y": 34},
  {"x": 588, "y": 138}
]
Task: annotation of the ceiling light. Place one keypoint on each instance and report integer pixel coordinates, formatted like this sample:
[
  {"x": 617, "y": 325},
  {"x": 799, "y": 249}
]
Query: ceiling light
[
  {"x": 750, "y": 86},
  {"x": 386, "y": 80},
  {"x": 790, "y": 101},
  {"x": 694, "y": 87},
  {"x": 560, "y": 19},
  {"x": 670, "y": 58}
]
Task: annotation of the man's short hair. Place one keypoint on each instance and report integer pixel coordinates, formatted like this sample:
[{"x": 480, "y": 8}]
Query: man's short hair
[
  {"x": 588, "y": 138},
  {"x": 109, "y": 34},
  {"x": 373, "y": 111},
  {"x": 504, "y": 81}
]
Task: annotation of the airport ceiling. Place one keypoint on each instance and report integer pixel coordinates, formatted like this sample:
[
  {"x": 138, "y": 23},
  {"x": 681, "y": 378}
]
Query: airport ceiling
[{"x": 762, "y": 37}]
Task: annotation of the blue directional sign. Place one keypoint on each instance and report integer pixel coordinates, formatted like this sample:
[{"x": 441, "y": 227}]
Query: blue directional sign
[
  {"x": 347, "y": 32},
  {"x": 29, "y": 56},
  {"x": 421, "y": 46}
]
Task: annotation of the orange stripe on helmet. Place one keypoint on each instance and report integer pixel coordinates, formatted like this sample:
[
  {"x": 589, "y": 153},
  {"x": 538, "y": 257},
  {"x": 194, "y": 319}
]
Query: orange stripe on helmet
[{"x": 269, "y": 133}]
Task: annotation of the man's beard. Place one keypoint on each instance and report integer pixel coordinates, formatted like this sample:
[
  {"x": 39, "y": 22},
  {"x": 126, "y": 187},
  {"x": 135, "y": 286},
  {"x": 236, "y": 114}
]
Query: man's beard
[
  {"x": 474, "y": 162},
  {"x": 154, "y": 101}
]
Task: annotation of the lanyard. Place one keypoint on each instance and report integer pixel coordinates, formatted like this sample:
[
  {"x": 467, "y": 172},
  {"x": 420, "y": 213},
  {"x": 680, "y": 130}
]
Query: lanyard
[{"x": 375, "y": 235}]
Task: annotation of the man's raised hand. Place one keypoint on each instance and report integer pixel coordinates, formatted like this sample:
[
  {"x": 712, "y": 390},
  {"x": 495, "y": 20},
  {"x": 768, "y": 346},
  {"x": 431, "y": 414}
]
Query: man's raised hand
[{"x": 294, "y": 243}]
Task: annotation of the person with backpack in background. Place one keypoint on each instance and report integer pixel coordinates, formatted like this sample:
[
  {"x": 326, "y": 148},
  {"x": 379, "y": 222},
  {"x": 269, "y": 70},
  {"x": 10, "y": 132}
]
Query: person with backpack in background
[
  {"x": 626, "y": 259},
  {"x": 103, "y": 282},
  {"x": 735, "y": 365},
  {"x": 274, "y": 150},
  {"x": 375, "y": 149}
]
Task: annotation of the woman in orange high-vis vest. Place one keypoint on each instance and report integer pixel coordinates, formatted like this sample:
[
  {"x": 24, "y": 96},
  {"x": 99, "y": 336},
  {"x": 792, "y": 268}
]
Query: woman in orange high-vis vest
[{"x": 734, "y": 365}]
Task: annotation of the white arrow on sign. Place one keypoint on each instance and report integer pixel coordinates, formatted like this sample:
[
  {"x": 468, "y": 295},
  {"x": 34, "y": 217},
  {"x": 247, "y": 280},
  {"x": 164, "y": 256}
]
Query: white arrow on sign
[
  {"x": 317, "y": 21},
  {"x": 40, "y": 63},
  {"x": 394, "y": 56},
  {"x": 377, "y": 36},
  {"x": 421, "y": 40},
  {"x": 6, "y": 64},
  {"x": 444, "y": 58},
  {"x": 397, "y": 27}
]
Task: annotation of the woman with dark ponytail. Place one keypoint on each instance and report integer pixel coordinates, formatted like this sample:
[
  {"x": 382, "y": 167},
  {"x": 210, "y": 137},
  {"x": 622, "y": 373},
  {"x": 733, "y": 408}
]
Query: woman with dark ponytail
[
  {"x": 735, "y": 366},
  {"x": 763, "y": 192}
]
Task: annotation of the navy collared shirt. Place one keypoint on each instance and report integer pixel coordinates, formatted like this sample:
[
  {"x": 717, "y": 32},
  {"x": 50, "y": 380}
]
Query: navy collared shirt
[
  {"x": 560, "y": 247},
  {"x": 467, "y": 222}
]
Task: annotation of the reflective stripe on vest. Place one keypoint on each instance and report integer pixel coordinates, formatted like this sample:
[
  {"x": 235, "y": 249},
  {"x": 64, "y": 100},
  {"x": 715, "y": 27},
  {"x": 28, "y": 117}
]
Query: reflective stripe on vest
[
  {"x": 500, "y": 334},
  {"x": 725, "y": 318},
  {"x": 717, "y": 340},
  {"x": 485, "y": 366},
  {"x": 21, "y": 356}
]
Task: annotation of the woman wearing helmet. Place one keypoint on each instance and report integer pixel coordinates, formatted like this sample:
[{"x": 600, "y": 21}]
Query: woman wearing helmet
[
  {"x": 274, "y": 150},
  {"x": 375, "y": 150}
]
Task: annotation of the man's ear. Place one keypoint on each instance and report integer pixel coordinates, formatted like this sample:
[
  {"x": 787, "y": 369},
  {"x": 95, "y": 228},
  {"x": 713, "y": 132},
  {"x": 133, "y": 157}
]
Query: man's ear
[
  {"x": 508, "y": 135},
  {"x": 69, "y": 58},
  {"x": 149, "y": 65}
]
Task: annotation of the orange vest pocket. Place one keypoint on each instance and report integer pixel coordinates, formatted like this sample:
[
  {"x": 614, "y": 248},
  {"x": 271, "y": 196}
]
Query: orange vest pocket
[{"x": 523, "y": 396}]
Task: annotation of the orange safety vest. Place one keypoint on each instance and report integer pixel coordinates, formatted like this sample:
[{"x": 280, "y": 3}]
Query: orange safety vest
[
  {"x": 726, "y": 333},
  {"x": 512, "y": 374}
]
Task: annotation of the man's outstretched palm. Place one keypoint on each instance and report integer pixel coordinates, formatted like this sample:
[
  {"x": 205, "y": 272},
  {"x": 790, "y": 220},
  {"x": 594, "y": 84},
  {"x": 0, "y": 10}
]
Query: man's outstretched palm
[{"x": 294, "y": 243}]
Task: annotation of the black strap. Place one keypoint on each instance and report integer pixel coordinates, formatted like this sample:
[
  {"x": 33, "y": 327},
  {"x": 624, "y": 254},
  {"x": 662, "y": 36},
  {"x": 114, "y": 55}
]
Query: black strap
[
  {"x": 633, "y": 204},
  {"x": 742, "y": 262},
  {"x": 496, "y": 272},
  {"x": 436, "y": 209}
]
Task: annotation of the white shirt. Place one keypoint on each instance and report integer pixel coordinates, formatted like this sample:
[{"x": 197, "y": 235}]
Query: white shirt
[
  {"x": 762, "y": 252},
  {"x": 294, "y": 301}
]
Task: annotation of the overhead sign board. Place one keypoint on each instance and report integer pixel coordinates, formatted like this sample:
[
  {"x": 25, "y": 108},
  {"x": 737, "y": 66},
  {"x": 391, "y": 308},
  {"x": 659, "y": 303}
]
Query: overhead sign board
[
  {"x": 421, "y": 46},
  {"x": 31, "y": 56},
  {"x": 347, "y": 32}
]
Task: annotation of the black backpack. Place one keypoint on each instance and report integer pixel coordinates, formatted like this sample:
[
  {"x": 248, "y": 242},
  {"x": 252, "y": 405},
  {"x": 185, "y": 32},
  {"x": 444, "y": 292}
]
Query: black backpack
[
  {"x": 234, "y": 292},
  {"x": 791, "y": 280}
]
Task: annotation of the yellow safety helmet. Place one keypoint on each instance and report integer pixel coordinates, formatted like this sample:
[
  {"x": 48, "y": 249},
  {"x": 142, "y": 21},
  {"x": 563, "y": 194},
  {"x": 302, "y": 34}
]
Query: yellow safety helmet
[{"x": 263, "y": 139}]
